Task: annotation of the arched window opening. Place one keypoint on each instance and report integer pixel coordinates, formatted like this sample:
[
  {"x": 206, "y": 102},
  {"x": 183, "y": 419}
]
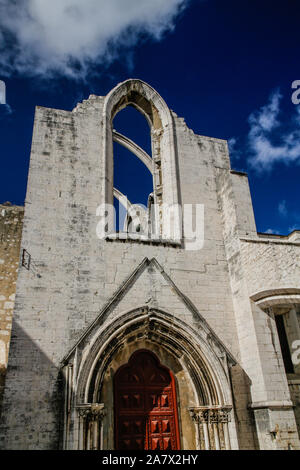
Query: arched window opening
[
  {"x": 120, "y": 211},
  {"x": 131, "y": 123},
  {"x": 132, "y": 170},
  {"x": 131, "y": 177},
  {"x": 287, "y": 320},
  {"x": 136, "y": 220},
  {"x": 280, "y": 321},
  {"x": 159, "y": 156}
]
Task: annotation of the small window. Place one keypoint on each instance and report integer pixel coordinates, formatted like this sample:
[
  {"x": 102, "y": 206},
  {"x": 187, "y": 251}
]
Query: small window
[{"x": 284, "y": 344}]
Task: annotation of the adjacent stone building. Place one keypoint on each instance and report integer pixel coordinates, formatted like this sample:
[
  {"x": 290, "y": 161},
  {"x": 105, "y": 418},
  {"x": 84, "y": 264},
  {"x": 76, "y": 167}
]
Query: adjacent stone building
[
  {"x": 151, "y": 337},
  {"x": 11, "y": 222}
]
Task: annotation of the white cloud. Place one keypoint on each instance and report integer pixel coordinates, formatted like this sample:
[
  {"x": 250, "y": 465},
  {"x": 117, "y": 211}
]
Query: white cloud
[
  {"x": 282, "y": 209},
  {"x": 43, "y": 37},
  {"x": 264, "y": 153},
  {"x": 5, "y": 111},
  {"x": 234, "y": 148},
  {"x": 266, "y": 118},
  {"x": 272, "y": 231},
  {"x": 232, "y": 145},
  {"x": 294, "y": 227}
]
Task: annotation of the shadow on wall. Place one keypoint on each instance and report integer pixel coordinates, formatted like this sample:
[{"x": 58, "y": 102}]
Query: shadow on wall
[
  {"x": 31, "y": 415},
  {"x": 246, "y": 429},
  {"x": 2, "y": 383}
]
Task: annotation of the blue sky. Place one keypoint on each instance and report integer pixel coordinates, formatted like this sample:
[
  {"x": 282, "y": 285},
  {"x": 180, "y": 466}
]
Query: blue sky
[{"x": 226, "y": 66}]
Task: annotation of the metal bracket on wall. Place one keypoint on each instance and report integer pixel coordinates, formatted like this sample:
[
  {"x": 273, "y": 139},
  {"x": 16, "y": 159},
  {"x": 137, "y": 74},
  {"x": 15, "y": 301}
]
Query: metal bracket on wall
[{"x": 26, "y": 258}]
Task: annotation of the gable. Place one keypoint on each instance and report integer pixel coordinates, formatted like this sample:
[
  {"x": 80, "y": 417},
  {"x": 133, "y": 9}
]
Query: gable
[{"x": 151, "y": 287}]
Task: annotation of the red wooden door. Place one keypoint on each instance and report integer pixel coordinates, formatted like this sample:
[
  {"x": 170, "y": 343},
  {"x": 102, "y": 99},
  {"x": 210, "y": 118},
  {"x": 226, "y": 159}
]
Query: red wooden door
[{"x": 145, "y": 405}]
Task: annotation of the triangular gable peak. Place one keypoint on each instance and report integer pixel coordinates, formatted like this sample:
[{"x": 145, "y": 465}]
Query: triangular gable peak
[{"x": 176, "y": 305}]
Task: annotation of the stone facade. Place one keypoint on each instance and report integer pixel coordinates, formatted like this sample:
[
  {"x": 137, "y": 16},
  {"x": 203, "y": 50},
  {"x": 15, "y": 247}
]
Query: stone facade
[
  {"x": 85, "y": 304},
  {"x": 11, "y": 222}
]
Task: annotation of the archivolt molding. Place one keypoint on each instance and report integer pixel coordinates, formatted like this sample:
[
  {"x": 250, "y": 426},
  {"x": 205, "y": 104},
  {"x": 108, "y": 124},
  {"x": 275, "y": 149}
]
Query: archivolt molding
[
  {"x": 124, "y": 288},
  {"x": 199, "y": 355},
  {"x": 96, "y": 329},
  {"x": 196, "y": 355},
  {"x": 143, "y": 97},
  {"x": 205, "y": 368}
]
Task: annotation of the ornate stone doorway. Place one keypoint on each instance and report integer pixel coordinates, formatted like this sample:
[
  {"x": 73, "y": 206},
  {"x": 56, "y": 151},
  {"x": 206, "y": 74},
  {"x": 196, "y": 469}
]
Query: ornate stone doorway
[
  {"x": 109, "y": 385},
  {"x": 145, "y": 405}
]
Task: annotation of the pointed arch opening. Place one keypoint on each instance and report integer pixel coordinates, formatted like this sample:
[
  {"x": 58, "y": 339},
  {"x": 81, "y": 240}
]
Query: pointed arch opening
[
  {"x": 132, "y": 170},
  {"x": 162, "y": 162},
  {"x": 201, "y": 381}
]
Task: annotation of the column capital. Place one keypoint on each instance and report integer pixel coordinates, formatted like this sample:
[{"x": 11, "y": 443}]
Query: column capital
[
  {"x": 211, "y": 414},
  {"x": 94, "y": 411}
]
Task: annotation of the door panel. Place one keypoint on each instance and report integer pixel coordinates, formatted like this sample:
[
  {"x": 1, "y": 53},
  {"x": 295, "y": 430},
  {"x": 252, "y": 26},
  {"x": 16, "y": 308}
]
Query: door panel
[{"x": 145, "y": 405}]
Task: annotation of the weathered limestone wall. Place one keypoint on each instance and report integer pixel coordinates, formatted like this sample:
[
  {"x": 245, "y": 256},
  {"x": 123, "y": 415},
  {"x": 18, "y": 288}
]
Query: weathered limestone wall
[
  {"x": 271, "y": 264},
  {"x": 57, "y": 296},
  {"x": 203, "y": 274},
  {"x": 291, "y": 320},
  {"x": 258, "y": 339},
  {"x": 294, "y": 387},
  {"x": 11, "y": 222},
  {"x": 272, "y": 271}
]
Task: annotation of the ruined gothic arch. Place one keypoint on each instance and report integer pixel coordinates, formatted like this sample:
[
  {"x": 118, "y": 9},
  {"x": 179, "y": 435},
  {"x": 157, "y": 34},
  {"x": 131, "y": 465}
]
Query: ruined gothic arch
[
  {"x": 134, "y": 148},
  {"x": 277, "y": 297},
  {"x": 146, "y": 100},
  {"x": 201, "y": 376},
  {"x": 282, "y": 305},
  {"x": 133, "y": 211}
]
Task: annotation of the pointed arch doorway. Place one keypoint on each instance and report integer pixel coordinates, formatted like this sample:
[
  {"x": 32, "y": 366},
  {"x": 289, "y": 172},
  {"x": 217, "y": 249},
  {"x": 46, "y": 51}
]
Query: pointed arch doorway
[{"x": 145, "y": 405}]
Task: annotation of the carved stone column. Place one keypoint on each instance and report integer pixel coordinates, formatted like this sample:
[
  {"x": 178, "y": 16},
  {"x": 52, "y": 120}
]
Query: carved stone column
[
  {"x": 212, "y": 424},
  {"x": 200, "y": 418},
  {"x": 90, "y": 426}
]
